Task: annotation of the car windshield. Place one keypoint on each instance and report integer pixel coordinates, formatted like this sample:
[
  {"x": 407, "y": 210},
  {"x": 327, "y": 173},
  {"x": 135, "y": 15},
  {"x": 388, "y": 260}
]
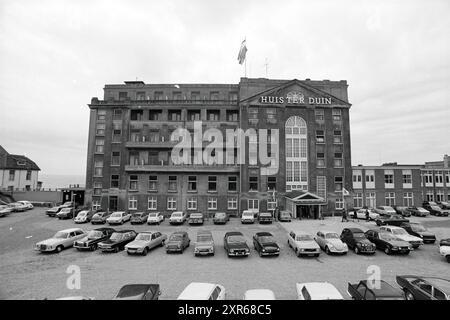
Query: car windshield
[
  {"x": 331, "y": 236},
  {"x": 144, "y": 236},
  {"x": 266, "y": 239},
  {"x": 116, "y": 236},
  {"x": 82, "y": 213},
  {"x": 60, "y": 235},
  {"x": 220, "y": 215},
  {"x": 153, "y": 215},
  {"x": 386, "y": 236},
  {"x": 176, "y": 214},
  {"x": 196, "y": 216},
  {"x": 116, "y": 215},
  {"x": 99, "y": 214},
  {"x": 436, "y": 208},
  {"x": 422, "y": 209},
  {"x": 359, "y": 235},
  {"x": 137, "y": 215},
  {"x": 95, "y": 234},
  {"x": 204, "y": 238},
  {"x": 65, "y": 210},
  {"x": 304, "y": 237},
  {"x": 176, "y": 237},
  {"x": 285, "y": 214},
  {"x": 399, "y": 231},
  {"x": 236, "y": 239},
  {"x": 418, "y": 228},
  {"x": 395, "y": 217}
]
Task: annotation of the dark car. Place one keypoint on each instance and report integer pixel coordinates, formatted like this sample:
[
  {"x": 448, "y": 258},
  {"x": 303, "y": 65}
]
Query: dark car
[
  {"x": 139, "y": 292},
  {"x": 435, "y": 210},
  {"x": 139, "y": 217},
  {"x": 357, "y": 240},
  {"x": 66, "y": 213},
  {"x": 444, "y": 242},
  {"x": 117, "y": 241},
  {"x": 221, "y": 218},
  {"x": 196, "y": 218},
  {"x": 418, "y": 211},
  {"x": 178, "y": 241},
  {"x": 265, "y": 217},
  {"x": 418, "y": 230},
  {"x": 444, "y": 205},
  {"x": 100, "y": 217},
  {"x": 424, "y": 288},
  {"x": 387, "y": 242},
  {"x": 390, "y": 220},
  {"x": 366, "y": 290},
  {"x": 284, "y": 216},
  {"x": 265, "y": 244},
  {"x": 403, "y": 211},
  {"x": 235, "y": 244},
  {"x": 92, "y": 239}
]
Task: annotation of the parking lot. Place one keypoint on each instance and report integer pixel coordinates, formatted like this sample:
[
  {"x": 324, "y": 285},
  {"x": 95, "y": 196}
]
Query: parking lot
[{"x": 27, "y": 274}]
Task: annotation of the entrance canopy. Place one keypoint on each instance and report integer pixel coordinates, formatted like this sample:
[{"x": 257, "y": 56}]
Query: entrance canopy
[{"x": 304, "y": 198}]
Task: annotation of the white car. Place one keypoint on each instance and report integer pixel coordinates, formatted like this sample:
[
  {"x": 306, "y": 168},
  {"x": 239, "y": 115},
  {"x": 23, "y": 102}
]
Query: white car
[
  {"x": 259, "y": 294},
  {"x": 317, "y": 291},
  {"x": 4, "y": 210},
  {"x": 202, "y": 291},
  {"x": 61, "y": 240},
  {"x": 119, "y": 217},
  {"x": 82, "y": 216},
  {"x": 155, "y": 217},
  {"x": 445, "y": 252},
  {"x": 401, "y": 234},
  {"x": 361, "y": 214},
  {"x": 27, "y": 204},
  {"x": 145, "y": 241},
  {"x": 384, "y": 210},
  {"x": 17, "y": 207},
  {"x": 177, "y": 217},
  {"x": 303, "y": 244},
  {"x": 248, "y": 216},
  {"x": 331, "y": 242}
]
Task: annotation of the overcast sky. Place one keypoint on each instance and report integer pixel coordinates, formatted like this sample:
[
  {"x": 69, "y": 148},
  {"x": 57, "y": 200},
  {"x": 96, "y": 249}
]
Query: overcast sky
[{"x": 56, "y": 55}]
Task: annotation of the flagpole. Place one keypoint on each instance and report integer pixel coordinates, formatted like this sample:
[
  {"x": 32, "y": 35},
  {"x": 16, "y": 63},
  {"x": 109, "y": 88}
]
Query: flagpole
[{"x": 245, "y": 67}]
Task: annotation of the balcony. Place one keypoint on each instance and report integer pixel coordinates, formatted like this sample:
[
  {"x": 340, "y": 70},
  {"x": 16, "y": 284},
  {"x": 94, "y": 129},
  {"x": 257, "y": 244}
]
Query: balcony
[
  {"x": 165, "y": 167},
  {"x": 150, "y": 144},
  {"x": 130, "y": 102}
]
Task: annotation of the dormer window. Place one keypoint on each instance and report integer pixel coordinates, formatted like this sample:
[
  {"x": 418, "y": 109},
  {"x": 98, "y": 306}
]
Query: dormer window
[{"x": 21, "y": 163}]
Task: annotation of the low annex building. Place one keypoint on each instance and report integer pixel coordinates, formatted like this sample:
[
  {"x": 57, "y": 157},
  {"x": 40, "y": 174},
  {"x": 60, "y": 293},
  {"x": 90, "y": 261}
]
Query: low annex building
[{"x": 17, "y": 172}]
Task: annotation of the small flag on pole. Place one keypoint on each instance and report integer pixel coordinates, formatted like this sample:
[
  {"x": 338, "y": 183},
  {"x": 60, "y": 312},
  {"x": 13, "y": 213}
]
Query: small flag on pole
[
  {"x": 345, "y": 192},
  {"x": 242, "y": 52}
]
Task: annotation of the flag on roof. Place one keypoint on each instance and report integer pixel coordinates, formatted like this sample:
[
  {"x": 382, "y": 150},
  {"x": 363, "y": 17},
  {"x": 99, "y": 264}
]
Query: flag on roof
[{"x": 242, "y": 52}]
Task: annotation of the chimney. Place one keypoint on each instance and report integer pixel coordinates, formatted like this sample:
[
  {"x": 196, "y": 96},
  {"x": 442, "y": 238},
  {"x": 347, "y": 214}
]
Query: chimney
[{"x": 446, "y": 161}]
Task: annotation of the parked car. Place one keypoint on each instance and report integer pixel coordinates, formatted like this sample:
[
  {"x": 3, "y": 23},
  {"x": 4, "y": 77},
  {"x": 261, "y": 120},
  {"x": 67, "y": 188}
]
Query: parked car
[
  {"x": 61, "y": 240},
  {"x": 401, "y": 234},
  {"x": 444, "y": 249},
  {"x": 382, "y": 210},
  {"x": 145, "y": 241},
  {"x": 204, "y": 245},
  {"x": 17, "y": 207},
  {"x": 317, "y": 291},
  {"x": 303, "y": 244},
  {"x": 265, "y": 244},
  {"x": 265, "y": 217},
  {"x": 437, "y": 211},
  {"x": 177, "y": 217},
  {"x": 428, "y": 204},
  {"x": 65, "y": 213},
  {"x": 424, "y": 288},
  {"x": 202, "y": 291},
  {"x": 365, "y": 290},
  {"x": 248, "y": 216},
  {"x": 284, "y": 216},
  {"x": 221, "y": 218},
  {"x": 100, "y": 217},
  {"x": 28, "y": 205},
  {"x": 418, "y": 211},
  {"x": 79, "y": 298},
  {"x": 139, "y": 217},
  {"x": 196, "y": 218},
  {"x": 117, "y": 241},
  {"x": 5, "y": 210},
  {"x": 387, "y": 242},
  {"x": 445, "y": 205},
  {"x": 139, "y": 292},
  {"x": 118, "y": 217},
  {"x": 357, "y": 241},
  {"x": 259, "y": 294},
  {"x": 390, "y": 220},
  {"x": 330, "y": 242},
  {"x": 54, "y": 210},
  {"x": 178, "y": 241},
  {"x": 418, "y": 230},
  {"x": 403, "y": 211},
  {"x": 362, "y": 214},
  {"x": 235, "y": 244},
  {"x": 155, "y": 217},
  {"x": 84, "y": 216},
  {"x": 92, "y": 239}
]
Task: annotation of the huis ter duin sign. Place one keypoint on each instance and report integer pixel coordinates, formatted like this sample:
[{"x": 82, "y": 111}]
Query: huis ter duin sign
[{"x": 295, "y": 97}]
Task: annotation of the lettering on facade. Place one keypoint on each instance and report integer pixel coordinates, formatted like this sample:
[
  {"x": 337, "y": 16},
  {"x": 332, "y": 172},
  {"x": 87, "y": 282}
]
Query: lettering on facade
[{"x": 295, "y": 97}]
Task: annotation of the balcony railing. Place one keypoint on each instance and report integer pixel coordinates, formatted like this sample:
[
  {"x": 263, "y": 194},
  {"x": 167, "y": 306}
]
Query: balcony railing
[
  {"x": 164, "y": 166},
  {"x": 164, "y": 101}
]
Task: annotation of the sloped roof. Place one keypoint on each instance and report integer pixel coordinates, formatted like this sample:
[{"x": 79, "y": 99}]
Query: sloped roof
[{"x": 18, "y": 162}]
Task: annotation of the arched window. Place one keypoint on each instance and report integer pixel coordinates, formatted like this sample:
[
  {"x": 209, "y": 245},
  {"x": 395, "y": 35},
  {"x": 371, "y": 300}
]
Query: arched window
[{"x": 296, "y": 151}]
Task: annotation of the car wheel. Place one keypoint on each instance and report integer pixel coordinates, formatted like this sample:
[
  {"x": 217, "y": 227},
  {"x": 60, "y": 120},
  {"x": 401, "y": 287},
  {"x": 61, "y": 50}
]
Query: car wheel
[
  {"x": 162, "y": 243},
  {"x": 260, "y": 253},
  {"x": 116, "y": 249},
  {"x": 387, "y": 250},
  {"x": 327, "y": 250},
  {"x": 59, "y": 248},
  {"x": 448, "y": 259},
  {"x": 144, "y": 253},
  {"x": 356, "y": 250},
  {"x": 408, "y": 295}
]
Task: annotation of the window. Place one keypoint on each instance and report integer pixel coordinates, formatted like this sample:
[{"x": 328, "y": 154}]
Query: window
[
  {"x": 320, "y": 136},
  {"x": 232, "y": 183},
  {"x": 123, "y": 95},
  {"x": 28, "y": 177},
  {"x": 152, "y": 203},
  {"x": 98, "y": 168},
  {"x": 140, "y": 95},
  {"x": 253, "y": 183},
  {"x": 100, "y": 129},
  {"x": 440, "y": 196},
  {"x": 114, "y": 181},
  {"x": 428, "y": 178},
  {"x": 370, "y": 177},
  {"x": 358, "y": 200},
  {"x": 320, "y": 115},
  {"x": 214, "y": 95},
  {"x": 439, "y": 178},
  {"x": 337, "y": 136},
  {"x": 152, "y": 183},
  {"x": 95, "y": 204},
  {"x": 195, "y": 95},
  {"x": 371, "y": 199},
  {"x": 271, "y": 115},
  {"x": 155, "y": 115},
  {"x": 101, "y": 115},
  {"x": 115, "y": 158},
  {"x": 132, "y": 202},
  {"x": 213, "y": 115},
  {"x": 172, "y": 183},
  {"x": 192, "y": 183},
  {"x": 232, "y": 115},
  {"x": 339, "y": 204},
  {"x": 97, "y": 188},
  {"x": 99, "y": 145},
  {"x": 322, "y": 186},
  {"x": 429, "y": 196},
  {"x": 212, "y": 183},
  {"x": 253, "y": 204},
  {"x": 212, "y": 203},
  {"x": 320, "y": 160},
  {"x": 407, "y": 177},
  {"x": 117, "y": 132},
  {"x": 338, "y": 183},
  {"x": 193, "y": 115},
  {"x": 159, "y": 95},
  {"x": 271, "y": 205},
  {"x": 338, "y": 162},
  {"x": 171, "y": 203},
  {"x": 296, "y": 155},
  {"x": 117, "y": 114},
  {"x": 174, "y": 115},
  {"x": 388, "y": 178},
  {"x": 233, "y": 96},
  {"x": 232, "y": 203},
  {"x": 271, "y": 183},
  {"x": 192, "y": 203},
  {"x": 133, "y": 182},
  {"x": 176, "y": 95},
  {"x": 253, "y": 115},
  {"x": 357, "y": 177},
  {"x": 389, "y": 199},
  {"x": 337, "y": 115},
  {"x": 447, "y": 178},
  {"x": 408, "y": 200}
]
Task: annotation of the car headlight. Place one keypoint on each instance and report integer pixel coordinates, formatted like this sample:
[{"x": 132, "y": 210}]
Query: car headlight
[
  {"x": 263, "y": 250},
  {"x": 359, "y": 245},
  {"x": 395, "y": 248}
]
